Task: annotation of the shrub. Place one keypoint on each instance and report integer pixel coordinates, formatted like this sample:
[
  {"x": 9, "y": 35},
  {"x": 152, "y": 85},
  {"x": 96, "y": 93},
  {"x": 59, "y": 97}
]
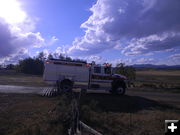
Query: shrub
[{"x": 31, "y": 66}]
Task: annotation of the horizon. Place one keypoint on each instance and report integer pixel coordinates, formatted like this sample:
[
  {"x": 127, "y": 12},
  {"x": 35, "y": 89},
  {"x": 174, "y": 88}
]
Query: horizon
[{"x": 111, "y": 31}]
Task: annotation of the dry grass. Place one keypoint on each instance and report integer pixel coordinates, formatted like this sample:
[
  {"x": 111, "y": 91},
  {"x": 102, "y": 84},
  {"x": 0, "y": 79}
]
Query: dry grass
[
  {"x": 160, "y": 72},
  {"x": 159, "y": 80},
  {"x": 26, "y": 114},
  {"x": 10, "y": 77},
  {"x": 126, "y": 115},
  {"x": 111, "y": 115},
  {"x": 159, "y": 76},
  {"x": 147, "y": 122},
  {"x": 162, "y": 80}
]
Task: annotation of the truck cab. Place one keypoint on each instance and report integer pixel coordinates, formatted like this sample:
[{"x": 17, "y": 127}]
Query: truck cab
[{"x": 103, "y": 77}]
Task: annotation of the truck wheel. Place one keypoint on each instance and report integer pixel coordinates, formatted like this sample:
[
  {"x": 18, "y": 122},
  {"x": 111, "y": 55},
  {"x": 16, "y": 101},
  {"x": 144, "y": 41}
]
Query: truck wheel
[
  {"x": 66, "y": 85},
  {"x": 83, "y": 91},
  {"x": 58, "y": 84},
  {"x": 120, "y": 90},
  {"x": 118, "y": 87}
]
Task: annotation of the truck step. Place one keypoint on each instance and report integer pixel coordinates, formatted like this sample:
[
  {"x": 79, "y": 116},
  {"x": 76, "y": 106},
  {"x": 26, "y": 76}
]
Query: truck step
[{"x": 49, "y": 92}]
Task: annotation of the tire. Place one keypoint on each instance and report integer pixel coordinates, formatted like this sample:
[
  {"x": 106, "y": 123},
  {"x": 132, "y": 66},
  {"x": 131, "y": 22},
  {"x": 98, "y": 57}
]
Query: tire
[
  {"x": 58, "y": 84},
  {"x": 66, "y": 85},
  {"x": 118, "y": 87},
  {"x": 83, "y": 91}
]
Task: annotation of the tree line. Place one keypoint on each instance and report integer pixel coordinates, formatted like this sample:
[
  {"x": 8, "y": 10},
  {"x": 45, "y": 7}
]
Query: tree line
[{"x": 35, "y": 65}]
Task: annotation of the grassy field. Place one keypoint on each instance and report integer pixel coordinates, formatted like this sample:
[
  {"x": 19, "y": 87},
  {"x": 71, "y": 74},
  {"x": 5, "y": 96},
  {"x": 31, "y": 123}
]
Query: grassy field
[
  {"x": 10, "y": 77},
  {"x": 24, "y": 114},
  {"x": 155, "y": 80},
  {"x": 30, "y": 114},
  {"x": 161, "y": 80},
  {"x": 111, "y": 115},
  {"x": 127, "y": 115}
]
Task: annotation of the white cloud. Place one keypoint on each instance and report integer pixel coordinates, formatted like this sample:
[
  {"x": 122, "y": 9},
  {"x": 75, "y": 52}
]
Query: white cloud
[
  {"x": 52, "y": 40},
  {"x": 175, "y": 56},
  {"x": 135, "y": 27},
  {"x": 14, "y": 58},
  {"x": 12, "y": 42},
  {"x": 11, "y": 11},
  {"x": 174, "y": 59},
  {"x": 145, "y": 61},
  {"x": 152, "y": 43},
  {"x": 61, "y": 50},
  {"x": 126, "y": 61},
  {"x": 17, "y": 30},
  {"x": 97, "y": 59}
]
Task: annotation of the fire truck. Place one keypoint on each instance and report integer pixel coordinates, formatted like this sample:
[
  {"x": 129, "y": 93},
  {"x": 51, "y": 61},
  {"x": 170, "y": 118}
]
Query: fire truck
[{"x": 67, "y": 75}]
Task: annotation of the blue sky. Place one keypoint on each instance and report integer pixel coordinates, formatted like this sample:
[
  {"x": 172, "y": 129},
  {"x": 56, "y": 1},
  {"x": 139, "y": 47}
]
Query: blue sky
[
  {"x": 132, "y": 32},
  {"x": 60, "y": 18}
]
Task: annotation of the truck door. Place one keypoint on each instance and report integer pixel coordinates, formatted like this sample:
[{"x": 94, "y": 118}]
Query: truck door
[{"x": 101, "y": 77}]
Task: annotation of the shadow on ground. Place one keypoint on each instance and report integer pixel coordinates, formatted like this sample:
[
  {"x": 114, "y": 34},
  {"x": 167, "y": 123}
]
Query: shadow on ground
[{"x": 117, "y": 103}]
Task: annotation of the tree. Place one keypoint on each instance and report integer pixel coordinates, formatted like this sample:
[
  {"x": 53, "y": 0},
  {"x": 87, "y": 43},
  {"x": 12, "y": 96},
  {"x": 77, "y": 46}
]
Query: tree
[
  {"x": 79, "y": 60},
  {"x": 35, "y": 65},
  {"x": 68, "y": 58},
  {"x": 56, "y": 55},
  {"x": 127, "y": 71},
  {"x": 50, "y": 56},
  {"x": 61, "y": 57},
  {"x": 41, "y": 56},
  {"x": 10, "y": 67},
  {"x": 31, "y": 66}
]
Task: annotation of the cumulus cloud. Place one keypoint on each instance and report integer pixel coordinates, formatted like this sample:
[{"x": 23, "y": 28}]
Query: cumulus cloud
[
  {"x": 45, "y": 52},
  {"x": 145, "y": 61},
  {"x": 145, "y": 45},
  {"x": 134, "y": 27},
  {"x": 17, "y": 31},
  {"x": 61, "y": 50},
  {"x": 127, "y": 61},
  {"x": 23, "y": 53},
  {"x": 132, "y": 61},
  {"x": 175, "y": 57},
  {"x": 52, "y": 40},
  {"x": 12, "y": 42},
  {"x": 97, "y": 59}
]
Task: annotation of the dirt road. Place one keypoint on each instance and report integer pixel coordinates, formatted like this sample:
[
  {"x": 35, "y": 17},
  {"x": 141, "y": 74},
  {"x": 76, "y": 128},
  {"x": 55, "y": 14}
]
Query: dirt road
[
  {"x": 170, "y": 98},
  {"x": 19, "y": 89},
  {"x": 167, "y": 98},
  {"x": 163, "y": 97}
]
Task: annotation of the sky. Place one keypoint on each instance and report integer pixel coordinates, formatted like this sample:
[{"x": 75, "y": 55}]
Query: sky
[{"x": 114, "y": 31}]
